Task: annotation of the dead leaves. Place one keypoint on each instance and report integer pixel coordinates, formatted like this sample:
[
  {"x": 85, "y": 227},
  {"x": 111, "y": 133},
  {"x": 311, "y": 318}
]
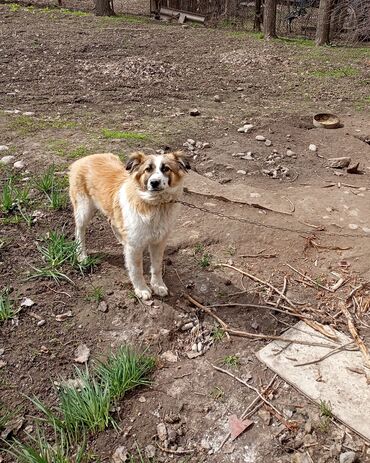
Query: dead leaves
[
  {"x": 237, "y": 426},
  {"x": 82, "y": 354}
]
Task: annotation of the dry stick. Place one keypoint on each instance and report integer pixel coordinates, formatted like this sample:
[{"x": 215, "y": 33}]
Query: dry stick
[
  {"x": 262, "y": 256},
  {"x": 356, "y": 337},
  {"x": 246, "y": 334},
  {"x": 314, "y": 325},
  {"x": 310, "y": 279},
  {"x": 283, "y": 292},
  {"x": 250, "y": 387},
  {"x": 257, "y": 306},
  {"x": 329, "y": 354},
  {"x": 249, "y": 411}
]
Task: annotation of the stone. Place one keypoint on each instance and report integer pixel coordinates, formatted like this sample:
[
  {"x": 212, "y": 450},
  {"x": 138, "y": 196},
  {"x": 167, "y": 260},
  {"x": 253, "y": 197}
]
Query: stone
[
  {"x": 82, "y": 354},
  {"x": 28, "y": 113},
  {"x": 194, "y": 112},
  {"x": 103, "y": 306},
  {"x": 339, "y": 163},
  {"x": 190, "y": 141},
  {"x": 27, "y": 302},
  {"x": 217, "y": 98},
  {"x": 4, "y": 148},
  {"x": 265, "y": 416},
  {"x": 308, "y": 427},
  {"x": 209, "y": 174},
  {"x": 206, "y": 145},
  {"x": 260, "y": 138},
  {"x": 248, "y": 156},
  {"x": 162, "y": 432},
  {"x": 300, "y": 458},
  {"x": 312, "y": 148},
  {"x": 169, "y": 356},
  {"x": 239, "y": 89},
  {"x": 290, "y": 153},
  {"x": 150, "y": 451},
  {"x": 268, "y": 142},
  {"x": 241, "y": 172},
  {"x": 19, "y": 164},
  {"x": 120, "y": 455},
  {"x": 246, "y": 128},
  {"x": 347, "y": 457},
  {"x": 6, "y": 160},
  {"x": 41, "y": 322}
]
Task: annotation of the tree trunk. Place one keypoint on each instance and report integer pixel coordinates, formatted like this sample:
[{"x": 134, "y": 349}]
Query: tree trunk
[
  {"x": 323, "y": 23},
  {"x": 269, "y": 19},
  {"x": 258, "y": 16},
  {"x": 104, "y": 8}
]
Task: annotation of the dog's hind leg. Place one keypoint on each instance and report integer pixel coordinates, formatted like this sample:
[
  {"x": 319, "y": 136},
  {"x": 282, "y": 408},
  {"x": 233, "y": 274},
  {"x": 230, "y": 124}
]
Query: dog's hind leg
[
  {"x": 84, "y": 210},
  {"x": 156, "y": 255},
  {"x": 134, "y": 265}
]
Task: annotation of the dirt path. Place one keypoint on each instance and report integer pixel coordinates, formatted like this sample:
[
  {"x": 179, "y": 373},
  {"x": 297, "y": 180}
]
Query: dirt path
[{"x": 63, "y": 80}]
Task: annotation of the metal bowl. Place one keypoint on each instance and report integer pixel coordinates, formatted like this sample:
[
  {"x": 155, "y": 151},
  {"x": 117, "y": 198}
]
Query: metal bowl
[{"x": 326, "y": 121}]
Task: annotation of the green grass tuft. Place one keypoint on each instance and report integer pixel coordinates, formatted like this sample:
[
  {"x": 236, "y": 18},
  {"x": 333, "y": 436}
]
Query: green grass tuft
[
  {"x": 74, "y": 12},
  {"x": 218, "y": 333},
  {"x": 13, "y": 7},
  {"x": 31, "y": 124},
  {"x": 96, "y": 294},
  {"x": 335, "y": 73},
  {"x": 60, "y": 254},
  {"x": 124, "y": 371},
  {"x": 117, "y": 134},
  {"x": 13, "y": 197},
  {"x": 53, "y": 188},
  {"x": 7, "y": 311},
  {"x": 231, "y": 360}
]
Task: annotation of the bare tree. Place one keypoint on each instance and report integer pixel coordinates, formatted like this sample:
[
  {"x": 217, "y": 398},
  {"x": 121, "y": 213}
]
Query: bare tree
[
  {"x": 323, "y": 23},
  {"x": 258, "y": 16},
  {"x": 104, "y": 8},
  {"x": 269, "y": 19}
]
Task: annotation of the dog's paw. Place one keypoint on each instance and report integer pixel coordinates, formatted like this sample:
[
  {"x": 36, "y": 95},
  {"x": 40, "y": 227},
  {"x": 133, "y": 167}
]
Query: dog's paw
[
  {"x": 160, "y": 289},
  {"x": 144, "y": 294}
]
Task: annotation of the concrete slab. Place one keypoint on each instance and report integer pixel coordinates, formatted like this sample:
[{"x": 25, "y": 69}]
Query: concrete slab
[{"x": 332, "y": 380}]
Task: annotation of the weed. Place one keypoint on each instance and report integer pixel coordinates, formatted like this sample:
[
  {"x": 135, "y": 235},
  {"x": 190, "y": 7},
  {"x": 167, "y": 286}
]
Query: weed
[
  {"x": 57, "y": 199},
  {"x": 231, "y": 360},
  {"x": 325, "y": 409},
  {"x": 126, "y": 18},
  {"x": 78, "y": 152},
  {"x": 52, "y": 187},
  {"x": 13, "y": 197},
  {"x": 30, "y": 124},
  {"x": 198, "y": 248},
  {"x": 218, "y": 333},
  {"x": 217, "y": 393},
  {"x": 14, "y": 7},
  {"x": 108, "y": 133},
  {"x": 39, "y": 450},
  {"x": 124, "y": 371},
  {"x": 301, "y": 41},
  {"x": 96, "y": 295},
  {"x": 57, "y": 253},
  {"x": 336, "y": 73},
  {"x": 7, "y": 310},
  {"x": 45, "y": 183},
  {"x": 5, "y": 417},
  {"x": 205, "y": 260},
  {"x": 12, "y": 220}
]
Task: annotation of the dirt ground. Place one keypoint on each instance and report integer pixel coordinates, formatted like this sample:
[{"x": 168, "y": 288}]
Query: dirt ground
[{"x": 74, "y": 76}]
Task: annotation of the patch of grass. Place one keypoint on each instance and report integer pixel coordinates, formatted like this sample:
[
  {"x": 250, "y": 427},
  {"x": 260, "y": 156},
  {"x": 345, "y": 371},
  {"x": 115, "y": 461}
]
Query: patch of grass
[
  {"x": 53, "y": 188},
  {"x": 218, "y": 333},
  {"x": 117, "y": 134},
  {"x": 13, "y": 197},
  {"x": 325, "y": 409},
  {"x": 301, "y": 41},
  {"x": 128, "y": 18},
  {"x": 231, "y": 360},
  {"x": 335, "y": 73},
  {"x": 31, "y": 124},
  {"x": 85, "y": 403},
  {"x": 12, "y": 220},
  {"x": 39, "y": 450},
  {"x": 5, "y": 417},
  {"x": 74, "y": 12},
  {"x": 124, "y": 370},
  {"x": 78, "y": 152},
  {"x": 256, "y": 35},
  {"x": 13, "y": 7},
  {"x": 96, "y": 294},
  {"x": 59, "y": 254},
  {"x": 205, "y": 260},
  {"x": 217, "y": 393},
  {"x": 7, "y": 311}
]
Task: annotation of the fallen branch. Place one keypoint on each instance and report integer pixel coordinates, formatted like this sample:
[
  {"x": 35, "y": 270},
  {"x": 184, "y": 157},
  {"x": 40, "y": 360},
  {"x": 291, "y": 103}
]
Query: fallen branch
[
  {"x": 313, "y": 324},
  {"x": 262, "y": 256},
  {"x": 175, "y": 452},
  {"x": 355, "y": 335},
  {"x": 310, "y": 279},
  {"x": 249, "y": 386},
  {"x": 329, "y": 354},
  {"x": 246, "y": 334},
  {"x": 250, "y": 410}
]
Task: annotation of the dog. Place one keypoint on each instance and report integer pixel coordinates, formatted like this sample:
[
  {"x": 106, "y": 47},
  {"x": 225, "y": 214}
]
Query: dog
[{"x": 139, "y": 201}]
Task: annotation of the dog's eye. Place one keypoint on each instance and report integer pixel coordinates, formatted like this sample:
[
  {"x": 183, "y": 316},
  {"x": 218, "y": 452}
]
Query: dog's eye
[
  {"x": 148, "y": 169},
  {"x": 165, "y": 168}
]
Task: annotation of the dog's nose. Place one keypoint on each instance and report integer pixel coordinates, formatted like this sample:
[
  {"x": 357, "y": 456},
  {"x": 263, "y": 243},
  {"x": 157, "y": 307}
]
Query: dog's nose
[{"x": 155, "y": 183}]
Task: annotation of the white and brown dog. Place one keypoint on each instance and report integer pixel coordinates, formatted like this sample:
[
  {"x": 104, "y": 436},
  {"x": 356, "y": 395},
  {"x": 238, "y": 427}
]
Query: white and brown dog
[{"x": 139, "y": 201}]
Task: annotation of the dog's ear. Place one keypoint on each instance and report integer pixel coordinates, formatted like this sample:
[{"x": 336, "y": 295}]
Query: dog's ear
[
  {"x": 134, "y": 160},
  {"x": 181, "y": 158}
]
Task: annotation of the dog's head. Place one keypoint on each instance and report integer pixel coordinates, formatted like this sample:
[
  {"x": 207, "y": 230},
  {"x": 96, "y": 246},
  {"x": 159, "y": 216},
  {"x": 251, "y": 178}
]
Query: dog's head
[{"x": 156, "y": 174}]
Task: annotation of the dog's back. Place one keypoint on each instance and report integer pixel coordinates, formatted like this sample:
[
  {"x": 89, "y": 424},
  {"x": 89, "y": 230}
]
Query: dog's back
[{"x": 97, "y": 177}]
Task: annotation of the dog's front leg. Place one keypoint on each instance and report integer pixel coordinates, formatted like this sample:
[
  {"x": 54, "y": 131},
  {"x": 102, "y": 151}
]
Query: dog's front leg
[
  {"x": 156, "y": 251},
  {"x": 134, "y": 265}
]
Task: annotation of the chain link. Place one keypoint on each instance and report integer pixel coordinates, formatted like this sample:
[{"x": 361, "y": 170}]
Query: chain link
[{"x": 273, "y": 227}]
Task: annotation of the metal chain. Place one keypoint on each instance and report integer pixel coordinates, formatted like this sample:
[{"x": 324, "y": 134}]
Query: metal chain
[{"x": 273, "y": 227}]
